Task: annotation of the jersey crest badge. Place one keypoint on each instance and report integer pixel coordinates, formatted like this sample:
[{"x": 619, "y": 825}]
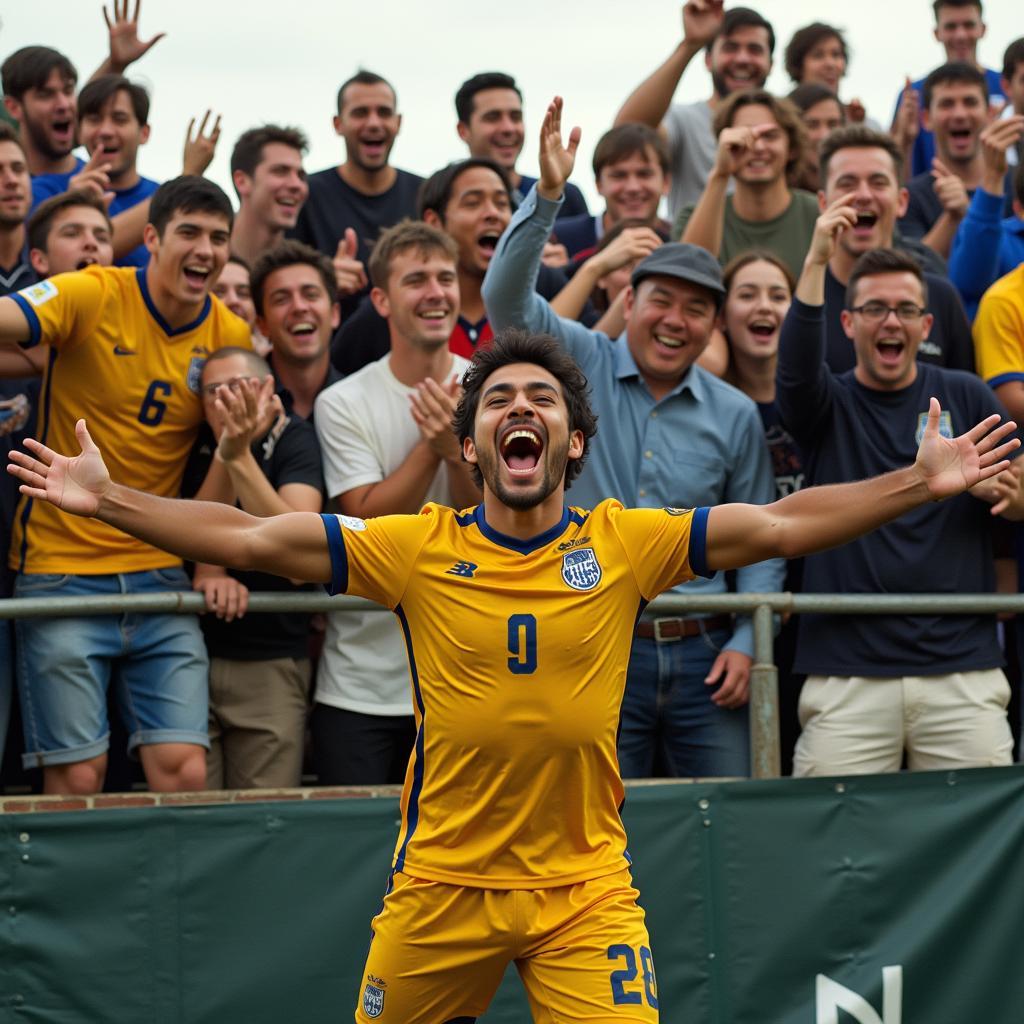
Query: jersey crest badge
[
  {"x": 195, "y": 373},
  {"x": 39, "y": 293},
  {"x": 581, "y": 569},
  {"x": 945, "y": 425},
  {"x": 352, "y": 523},
  {"x": 373, "y": 1000}
]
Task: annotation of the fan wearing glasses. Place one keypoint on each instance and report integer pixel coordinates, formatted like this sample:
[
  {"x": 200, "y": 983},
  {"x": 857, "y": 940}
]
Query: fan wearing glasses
[{"x": 881, "y": 687}]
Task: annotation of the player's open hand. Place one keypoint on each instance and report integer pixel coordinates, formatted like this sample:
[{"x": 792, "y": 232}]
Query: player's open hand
[
  {"x": 556, "y": 158},
  {"x": 76, "y": 485},
  {"x": 951, "y": 465}
]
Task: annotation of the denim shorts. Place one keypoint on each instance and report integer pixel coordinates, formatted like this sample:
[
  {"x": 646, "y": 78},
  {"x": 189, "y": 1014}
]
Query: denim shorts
[{"x": 157, "y": 664}]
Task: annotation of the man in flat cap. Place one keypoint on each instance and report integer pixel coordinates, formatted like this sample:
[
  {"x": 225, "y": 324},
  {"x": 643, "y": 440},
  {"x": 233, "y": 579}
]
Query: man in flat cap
[{"x": 673, "y": 435}]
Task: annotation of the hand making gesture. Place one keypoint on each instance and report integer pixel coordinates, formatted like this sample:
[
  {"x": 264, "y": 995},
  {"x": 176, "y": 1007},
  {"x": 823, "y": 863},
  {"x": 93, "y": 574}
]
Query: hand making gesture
[{"x": 556, "y": 158}]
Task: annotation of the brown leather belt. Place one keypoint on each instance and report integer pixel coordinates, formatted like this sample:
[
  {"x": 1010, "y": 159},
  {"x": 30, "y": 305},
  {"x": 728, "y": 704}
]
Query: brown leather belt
[{"x": 676, "y": 629}]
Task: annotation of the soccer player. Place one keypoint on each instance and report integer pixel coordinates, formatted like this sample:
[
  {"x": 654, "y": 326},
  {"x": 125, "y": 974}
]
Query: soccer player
[
  {"x": 128, "y": 345},
  {"x": 518, "y": 618}
]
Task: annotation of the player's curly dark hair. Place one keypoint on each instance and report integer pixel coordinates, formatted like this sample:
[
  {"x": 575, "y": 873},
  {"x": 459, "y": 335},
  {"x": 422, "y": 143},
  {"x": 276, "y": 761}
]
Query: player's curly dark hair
[{"x": 517, "y": 346}]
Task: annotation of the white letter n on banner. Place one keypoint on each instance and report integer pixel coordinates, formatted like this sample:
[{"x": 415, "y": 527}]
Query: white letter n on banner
[{"x": 831, "y": 997}]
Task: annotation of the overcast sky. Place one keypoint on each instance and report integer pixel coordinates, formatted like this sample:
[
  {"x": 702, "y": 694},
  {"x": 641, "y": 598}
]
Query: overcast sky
[{"x": 283, "y": 62}]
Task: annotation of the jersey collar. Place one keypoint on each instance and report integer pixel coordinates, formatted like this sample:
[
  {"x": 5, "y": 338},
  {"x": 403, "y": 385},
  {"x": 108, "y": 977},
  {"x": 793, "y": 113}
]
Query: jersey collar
[
  {"x": 140, "y": 276},
  {"x": 524, "y": 547}
]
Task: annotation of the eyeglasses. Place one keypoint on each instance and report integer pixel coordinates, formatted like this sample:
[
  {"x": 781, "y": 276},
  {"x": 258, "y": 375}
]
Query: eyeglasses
[
  {"x": 210, "y": 390},
  {"x": 906, "y": 312}
]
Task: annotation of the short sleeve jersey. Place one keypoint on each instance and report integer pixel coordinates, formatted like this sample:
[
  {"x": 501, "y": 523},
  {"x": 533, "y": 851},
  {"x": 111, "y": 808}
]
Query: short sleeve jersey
[
  {"x": 115, "y": 362},
  {"x": 518, "y": 654},
  {"x": 999, "y": 331}
]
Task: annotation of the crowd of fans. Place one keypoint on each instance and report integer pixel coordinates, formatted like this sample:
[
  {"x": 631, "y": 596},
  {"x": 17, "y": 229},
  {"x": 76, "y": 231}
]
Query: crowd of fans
[{"x": 773, "y": 290}]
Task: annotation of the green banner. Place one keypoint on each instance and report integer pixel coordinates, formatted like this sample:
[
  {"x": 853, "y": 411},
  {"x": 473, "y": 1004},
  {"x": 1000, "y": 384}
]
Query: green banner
[{"x": 874, "y": 900}]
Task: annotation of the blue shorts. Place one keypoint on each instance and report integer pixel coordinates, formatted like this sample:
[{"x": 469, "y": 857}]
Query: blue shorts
[{"x": 157, "y": 664}]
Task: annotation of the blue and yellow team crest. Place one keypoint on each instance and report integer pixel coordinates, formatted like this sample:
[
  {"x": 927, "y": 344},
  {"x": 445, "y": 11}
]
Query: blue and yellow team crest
[
  {"x": 39, "y": 293},
  {"x": 945, "y": 425},
  {"x": 373, "y": 1000},
  {"x": 581, "y": 569}
]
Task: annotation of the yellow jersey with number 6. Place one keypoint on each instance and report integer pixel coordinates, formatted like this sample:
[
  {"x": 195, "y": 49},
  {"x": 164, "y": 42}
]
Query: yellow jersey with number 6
[
  {"x": 115, "y": 362},
  {"x": 517, "y": 655}
]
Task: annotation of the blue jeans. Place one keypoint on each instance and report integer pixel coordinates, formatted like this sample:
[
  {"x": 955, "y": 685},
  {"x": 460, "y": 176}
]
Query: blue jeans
[
  {"x": 667, "y": 711},
  {"x": 158, "y": 664}
]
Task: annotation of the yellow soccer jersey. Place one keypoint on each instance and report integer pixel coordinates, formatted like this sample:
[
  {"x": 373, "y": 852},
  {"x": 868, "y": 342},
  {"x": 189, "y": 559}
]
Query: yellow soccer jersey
[
  {"x": 518, "y": 654},
  {"x": 999, "y": 331},
  {"x": 114, "y": 361}
]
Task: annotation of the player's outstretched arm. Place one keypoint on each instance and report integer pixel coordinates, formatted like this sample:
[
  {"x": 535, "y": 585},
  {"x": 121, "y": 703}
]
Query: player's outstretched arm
[
  {"x": 292, "y": 545},
  {"x": 817, "y": 518}
]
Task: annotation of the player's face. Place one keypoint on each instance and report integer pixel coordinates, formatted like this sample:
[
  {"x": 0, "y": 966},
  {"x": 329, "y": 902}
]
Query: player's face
[
  {"x": 824, "y": 64},
  {"x": 521, "y": 438},
  {"x": 819, "y": 120},
  {"x": 886, "y": 349},
  {"x": 633, "y": 187},
  {"x": 278, "y": 187},
  {"x": 957, "y": 114},
  {"x": 368, "y": 122},
  {"x": 477, "y": 213},
  {"x": 298, "y": 315},
  {"x": 115, "y": 133},
  {"x": 232, "y": 288},
  {"x": 79, "y": 237},
  {"x": 187, "y": 258},
  {"x": 15, "y": 185},
  {"x": 740, "y": 60},
  {"x": 754, "y": 309},
  {"x": 869, "y": 173},
  {"x": 48, "y": 116},
  {"x": 495, "y": 128},
  {"x": 959, "y": 29},
  {"x": 421, "y": 302},
  {"x": 765, "y": 161}
]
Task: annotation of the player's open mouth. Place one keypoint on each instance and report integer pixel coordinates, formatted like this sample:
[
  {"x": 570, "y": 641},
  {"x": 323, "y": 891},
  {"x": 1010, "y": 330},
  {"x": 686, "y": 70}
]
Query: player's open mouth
[
  {"x": 85, "y": 261},
  {"x": 521, "y": 449},
  {"x": 197, "y": 276}
]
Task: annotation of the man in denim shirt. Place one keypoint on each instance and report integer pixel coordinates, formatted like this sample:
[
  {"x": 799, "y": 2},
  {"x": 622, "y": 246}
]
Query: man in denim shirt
[{"x": 673, "y": 435}]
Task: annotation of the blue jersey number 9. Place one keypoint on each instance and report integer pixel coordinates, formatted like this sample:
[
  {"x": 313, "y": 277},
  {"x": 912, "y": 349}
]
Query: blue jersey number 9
[{"x": 522, "y": 645}]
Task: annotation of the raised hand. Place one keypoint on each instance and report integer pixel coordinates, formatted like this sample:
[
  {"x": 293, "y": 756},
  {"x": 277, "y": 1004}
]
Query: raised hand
[
  {"x": 349, "y": 272},
  {"x": 702, "y": 20},
  {"x": 855, "y": 112},
  {"x": 76, "y": 485},
  {"x": 996, "y": 139},
  {"x": 200, "y": 148},
  {"x": 1002, "y": 490},
  {"x": 432, "y": 407},
  {"x": 556, "y": 158},
  {"x": 837, "y": 218},
  {"x": 244, "y": 413},
  {"x": 949, "y": 466},
  {"x": 907, "y": 122},
  {"x": 949, "y": 189},
  {"x": 735, "y": 144},
  {"x": 94, "y": 177},
  {"x": 125, "y": 45}
]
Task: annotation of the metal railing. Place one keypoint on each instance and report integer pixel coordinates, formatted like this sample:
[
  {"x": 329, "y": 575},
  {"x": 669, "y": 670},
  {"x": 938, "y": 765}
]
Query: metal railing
[{"x": 764, "y": 676}]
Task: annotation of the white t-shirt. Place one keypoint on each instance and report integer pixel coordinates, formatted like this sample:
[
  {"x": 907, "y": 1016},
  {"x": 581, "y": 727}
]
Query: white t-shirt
[{"x": 366, "y": 432}]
